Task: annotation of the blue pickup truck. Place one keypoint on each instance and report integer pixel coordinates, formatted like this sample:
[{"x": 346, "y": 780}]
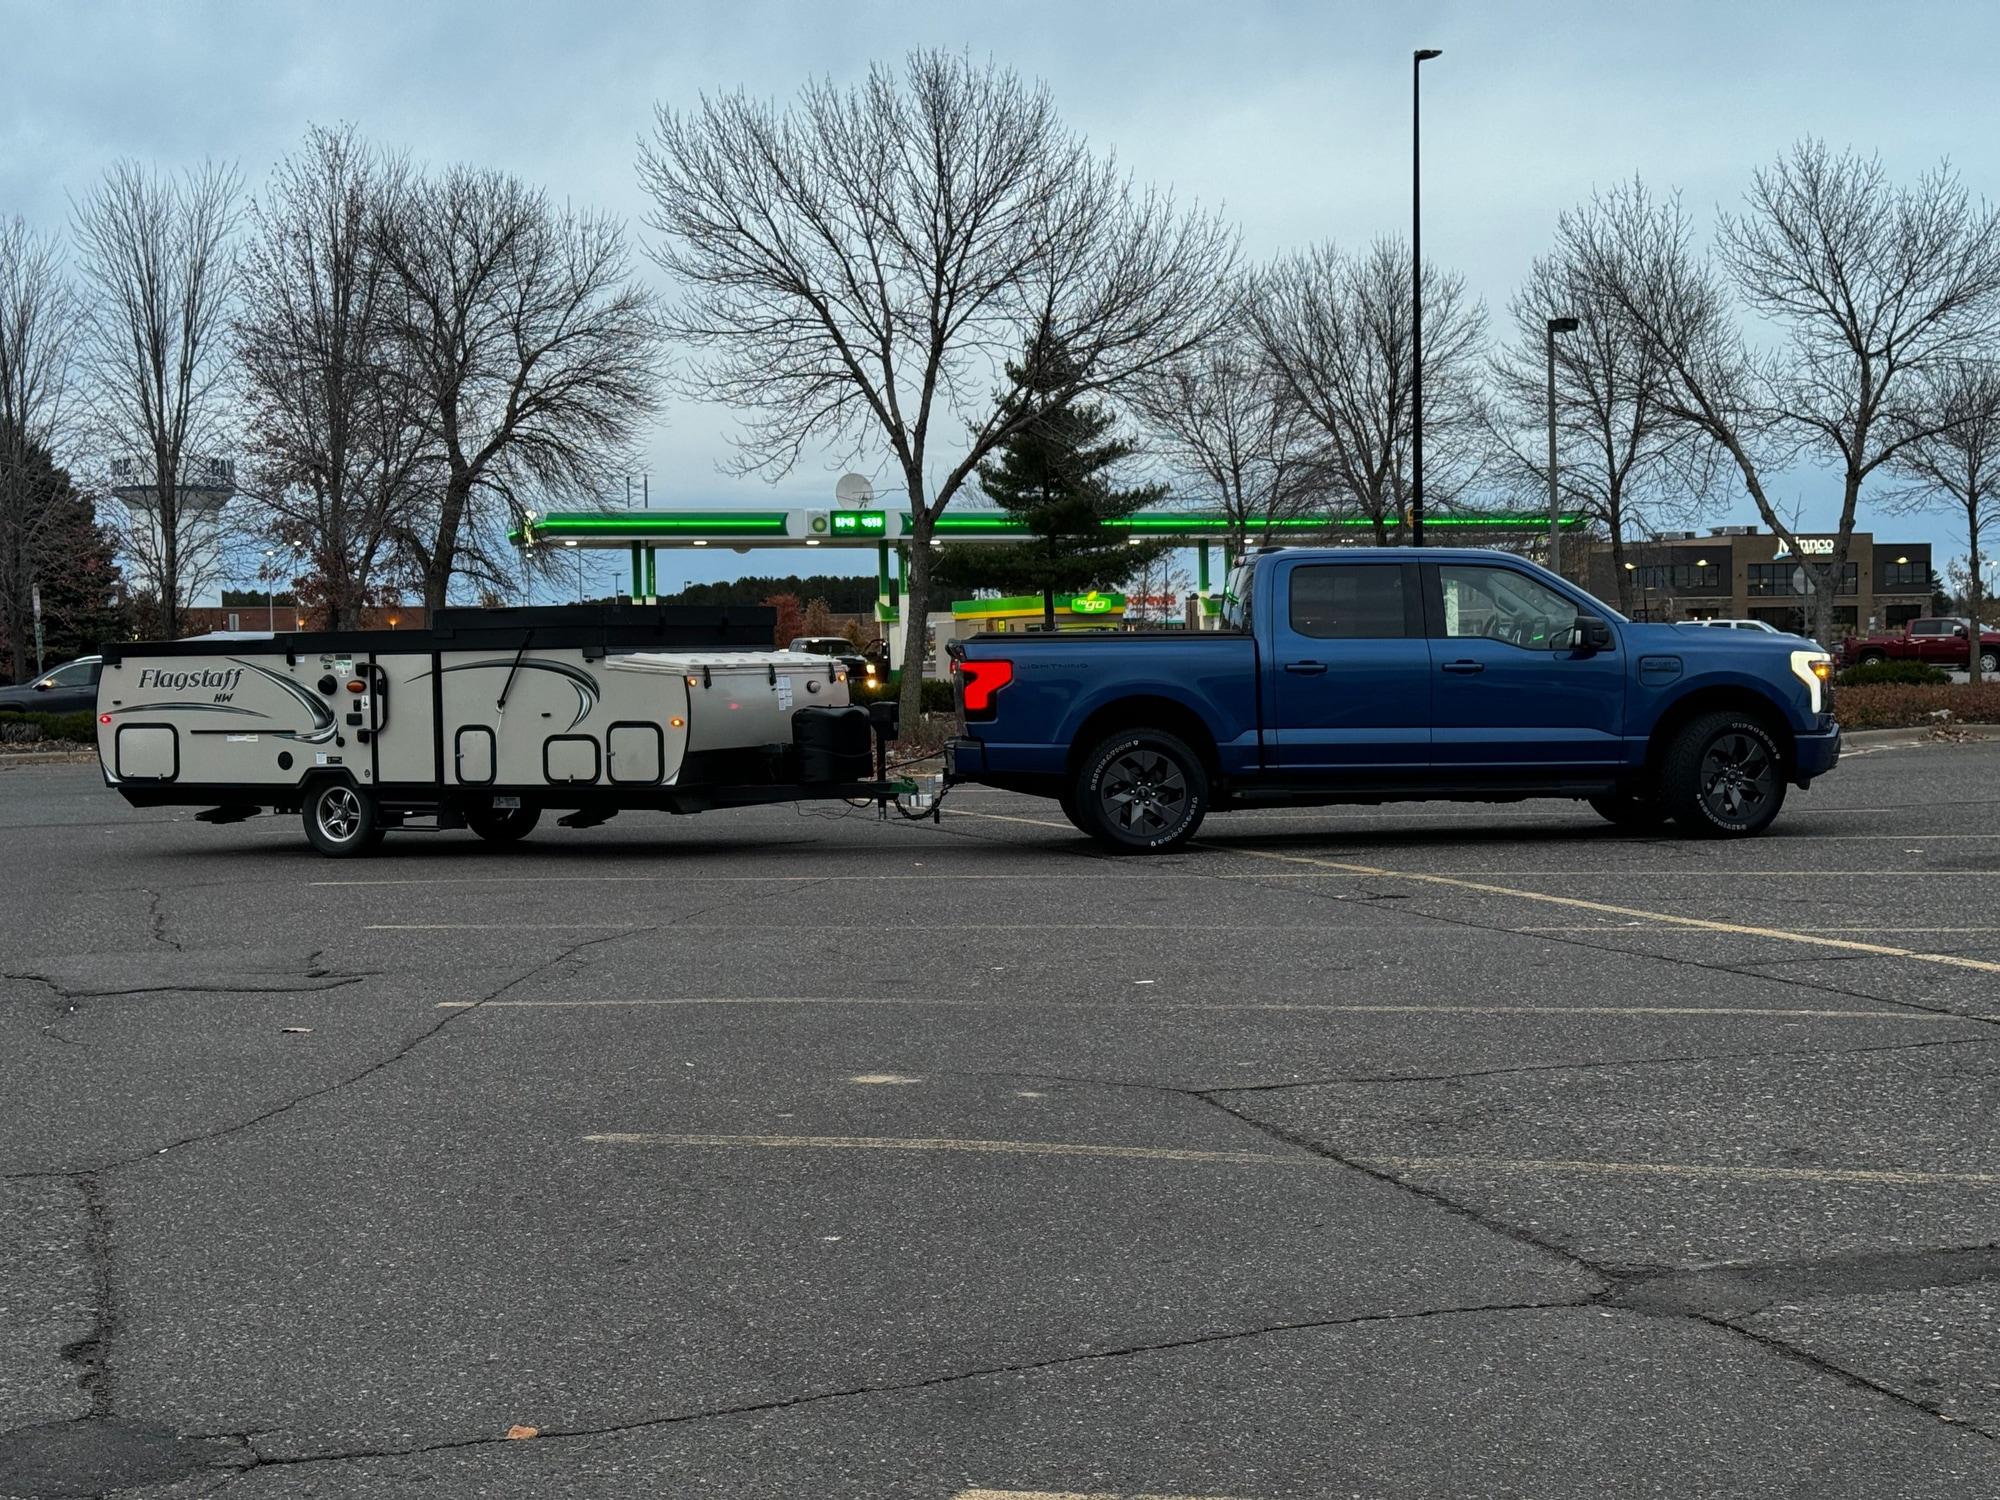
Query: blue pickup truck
[{"x": 1377, "y": 675}]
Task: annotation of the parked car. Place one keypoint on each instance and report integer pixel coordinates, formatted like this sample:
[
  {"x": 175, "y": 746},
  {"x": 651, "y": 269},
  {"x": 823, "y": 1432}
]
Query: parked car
[
  {"x": 1938, "y": 641},
  {"x": 1764, "y": 625},
  {"x": 840, "y": 648},
  {"x": 69, "y": 689},
  {"x": 1397, "y": 674}
]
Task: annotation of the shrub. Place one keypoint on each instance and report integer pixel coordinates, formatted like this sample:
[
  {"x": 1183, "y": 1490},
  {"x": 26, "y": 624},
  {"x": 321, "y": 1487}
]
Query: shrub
[
  {"x": 1909, "y": 706},
  {"x": 26, "y": 728},
  {"x": 1908, "y": 673}
]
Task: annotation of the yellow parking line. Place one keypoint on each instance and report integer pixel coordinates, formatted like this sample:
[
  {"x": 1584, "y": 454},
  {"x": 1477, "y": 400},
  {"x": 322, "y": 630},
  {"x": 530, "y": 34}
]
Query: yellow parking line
[
  {"x": 1577, "y": 903},
  {"x": 1132, "y": 1007},
  {"x": 1603, "y": 908},
  {"x": 1873, "y": 1176}
]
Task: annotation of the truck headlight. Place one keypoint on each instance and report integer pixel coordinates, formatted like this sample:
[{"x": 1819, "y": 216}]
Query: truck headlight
[{"x": 1815, "y": 670}]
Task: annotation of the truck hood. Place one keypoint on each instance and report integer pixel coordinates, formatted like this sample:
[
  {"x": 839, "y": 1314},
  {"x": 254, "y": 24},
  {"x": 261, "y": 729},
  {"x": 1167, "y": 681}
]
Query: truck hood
[{"x": 1697, "y": 640}]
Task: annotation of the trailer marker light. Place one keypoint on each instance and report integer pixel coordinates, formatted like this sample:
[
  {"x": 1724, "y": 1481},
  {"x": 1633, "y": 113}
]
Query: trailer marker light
[
  {"x": 356, "y": 685},
  {"x": 678, "y": 722},
  {"x": 104, "y": 718},
  {"x": 982, "y": 680}
]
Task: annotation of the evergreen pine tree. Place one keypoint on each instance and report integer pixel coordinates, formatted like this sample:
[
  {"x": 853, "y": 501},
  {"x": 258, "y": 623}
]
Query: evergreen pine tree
[
  {"x": 1057, "y": 476},
  {"x": 51, "y": 537}
]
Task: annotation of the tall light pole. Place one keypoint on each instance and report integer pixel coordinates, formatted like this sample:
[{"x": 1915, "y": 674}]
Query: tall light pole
[
  {"x": 1417, "y": 61},
  {"x": 1556, "y": 326}
]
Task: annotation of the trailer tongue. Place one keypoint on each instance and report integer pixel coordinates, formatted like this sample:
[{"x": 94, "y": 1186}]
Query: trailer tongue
[{"x": 488, "y": 720}]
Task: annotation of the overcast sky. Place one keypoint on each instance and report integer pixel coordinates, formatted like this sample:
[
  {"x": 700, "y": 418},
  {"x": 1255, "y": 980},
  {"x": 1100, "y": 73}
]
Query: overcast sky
[{"x": 1292, "y": 117}]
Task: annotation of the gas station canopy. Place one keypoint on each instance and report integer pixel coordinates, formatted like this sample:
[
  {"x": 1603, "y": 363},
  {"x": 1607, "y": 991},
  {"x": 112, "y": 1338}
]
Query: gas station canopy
[{"x": 812, "y": 527}]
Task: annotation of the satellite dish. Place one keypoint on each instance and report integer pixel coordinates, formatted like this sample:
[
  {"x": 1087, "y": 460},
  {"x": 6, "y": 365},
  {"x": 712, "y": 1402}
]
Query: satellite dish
[{"x": 854, "y": 489}]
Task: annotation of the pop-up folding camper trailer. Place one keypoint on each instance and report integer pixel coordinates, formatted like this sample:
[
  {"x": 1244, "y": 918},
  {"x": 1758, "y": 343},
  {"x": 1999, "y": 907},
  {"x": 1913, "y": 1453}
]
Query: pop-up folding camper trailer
[{"x": 486, "y": 720}]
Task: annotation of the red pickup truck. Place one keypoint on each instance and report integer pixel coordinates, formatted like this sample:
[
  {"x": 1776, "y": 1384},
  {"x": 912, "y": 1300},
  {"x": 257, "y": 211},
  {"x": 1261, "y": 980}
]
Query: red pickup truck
[{"x": 1940, "y": 642}]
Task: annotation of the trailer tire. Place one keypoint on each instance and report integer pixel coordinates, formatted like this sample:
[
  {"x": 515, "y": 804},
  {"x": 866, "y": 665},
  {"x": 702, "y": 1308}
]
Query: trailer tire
[
  {"x": 502, "y": 825},
  {"x": 1723, "y": 776},
  {"x": 1141, "y": 791},
  {"x": 340, "y": 819}
]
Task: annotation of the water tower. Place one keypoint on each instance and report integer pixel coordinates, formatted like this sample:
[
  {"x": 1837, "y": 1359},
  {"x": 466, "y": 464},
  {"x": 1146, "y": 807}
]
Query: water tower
[{"x": 207, "y": 484}]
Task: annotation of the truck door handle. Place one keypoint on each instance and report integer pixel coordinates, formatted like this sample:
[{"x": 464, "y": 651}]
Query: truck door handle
[
  {"x": 1306, "y": 668},
  {"x": 1465, "y": 668}
]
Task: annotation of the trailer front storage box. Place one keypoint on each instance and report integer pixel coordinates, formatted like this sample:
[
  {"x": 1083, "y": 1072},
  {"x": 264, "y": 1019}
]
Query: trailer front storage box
[{"x": 484, "y": 722}]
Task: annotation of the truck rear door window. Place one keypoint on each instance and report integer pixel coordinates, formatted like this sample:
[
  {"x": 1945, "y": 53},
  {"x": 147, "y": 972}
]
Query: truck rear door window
[{"x": 1348, "y": 601}]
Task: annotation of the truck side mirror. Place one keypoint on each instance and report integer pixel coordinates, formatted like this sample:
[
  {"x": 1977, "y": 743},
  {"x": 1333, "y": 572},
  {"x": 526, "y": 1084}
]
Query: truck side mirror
[{"x": 1592, "y": 633}]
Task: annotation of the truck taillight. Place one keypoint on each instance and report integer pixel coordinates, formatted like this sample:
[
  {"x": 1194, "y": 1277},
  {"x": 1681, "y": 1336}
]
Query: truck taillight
[{"x": 979, "y": 681}]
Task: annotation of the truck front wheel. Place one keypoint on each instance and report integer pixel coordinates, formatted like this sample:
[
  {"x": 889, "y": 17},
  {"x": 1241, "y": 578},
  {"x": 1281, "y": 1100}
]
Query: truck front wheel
[
  {"x": 1723, "y": 777},
  {"x": 340, "y": 820},
  {"x": 1142, "y": 791},
  {"x": 1869, "y": 658}
]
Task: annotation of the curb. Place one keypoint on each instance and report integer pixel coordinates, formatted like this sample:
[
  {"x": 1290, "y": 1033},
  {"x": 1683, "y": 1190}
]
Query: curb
[{"x": 47, "y": 758}]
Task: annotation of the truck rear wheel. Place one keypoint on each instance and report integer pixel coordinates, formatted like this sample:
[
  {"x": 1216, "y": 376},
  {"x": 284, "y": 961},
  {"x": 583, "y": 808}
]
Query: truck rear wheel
[
  {"x": 1142, "y": 791},
  {"x": 502, "y": 825},
  {"x": 1723, "y": 777},
  {"x": 340, "y": 820}
]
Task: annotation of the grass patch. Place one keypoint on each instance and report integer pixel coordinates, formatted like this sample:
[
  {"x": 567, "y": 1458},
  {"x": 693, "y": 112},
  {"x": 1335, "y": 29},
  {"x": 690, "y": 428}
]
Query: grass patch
[{"x": 19, "y": 728}]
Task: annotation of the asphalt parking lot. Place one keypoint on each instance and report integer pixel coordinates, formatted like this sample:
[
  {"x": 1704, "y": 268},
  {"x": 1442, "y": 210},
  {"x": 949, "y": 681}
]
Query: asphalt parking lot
[{"x": 1417, "y": 1151}]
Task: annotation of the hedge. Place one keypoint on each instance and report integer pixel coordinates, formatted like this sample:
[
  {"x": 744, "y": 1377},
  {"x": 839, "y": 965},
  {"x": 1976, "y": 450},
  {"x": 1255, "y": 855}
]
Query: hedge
[
  {"x": 1908, "y": 706},
  {"x": 79, "y": 728},
  {"x": 1908, "y": 673}
]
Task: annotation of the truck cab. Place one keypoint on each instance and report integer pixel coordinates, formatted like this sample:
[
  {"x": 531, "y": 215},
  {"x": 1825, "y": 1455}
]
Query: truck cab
[{"x": 1352, "y": 675}]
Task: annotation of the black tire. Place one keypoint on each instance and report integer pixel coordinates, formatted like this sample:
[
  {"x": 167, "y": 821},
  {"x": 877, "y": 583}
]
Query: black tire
[
  {"x": 1142, "y": 791},
  {"x": 502, "y": 825},
  {"x": 1989, "y": 662},
  {"x": 1638, "y": 812},
  {"x": 340, "y": 819},
  {"x": 1869, "y": 658},
  {"x": 1066, "y": 800},
  {"x": 1723, "y": 777}
]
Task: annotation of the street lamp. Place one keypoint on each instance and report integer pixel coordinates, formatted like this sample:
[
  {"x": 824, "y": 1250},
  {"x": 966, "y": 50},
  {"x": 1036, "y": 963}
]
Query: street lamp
[
  {"x": 1556, "y": 326},
  {"x": 271, "y": 589},
  {"x": 1417, "y": 61}
]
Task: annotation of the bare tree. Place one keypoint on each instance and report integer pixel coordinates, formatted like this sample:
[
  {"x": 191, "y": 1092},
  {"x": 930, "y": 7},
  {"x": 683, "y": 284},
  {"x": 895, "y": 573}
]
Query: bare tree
[
  {"x": 857, "y": 270},
  {"x": 39, "y": 324},
  {"x": 1624, "y": 461},
  {"x": 1232, "y": 435},
  {"x": 338, "y": 445},
  {"x": 1336, "y": 330},
  {"x": 155, "y": 256},
  {"x": 1870, "y": 285},
  {"x": 1956, "y": 465},
  {"x": 533, "y": 355}
]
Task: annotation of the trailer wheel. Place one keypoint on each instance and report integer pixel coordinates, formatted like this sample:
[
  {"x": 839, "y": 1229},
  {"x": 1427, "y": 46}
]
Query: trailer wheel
[
  {"x": 1142, "y": 791},
  {"x": 1723, "y": 777},
  {"x": 340, "y": 820},
  {"x": 1632, "y": 810},
  {"x": 502, "y": 825}
]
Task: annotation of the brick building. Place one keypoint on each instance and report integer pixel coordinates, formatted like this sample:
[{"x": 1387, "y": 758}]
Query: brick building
[{"x": 1743, "y": 573}]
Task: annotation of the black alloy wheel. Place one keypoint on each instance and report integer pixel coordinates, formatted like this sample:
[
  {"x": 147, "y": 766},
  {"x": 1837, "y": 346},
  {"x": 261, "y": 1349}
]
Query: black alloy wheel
[
  {"x": 1142, "y": 792},
  {"x": 1724, "y": 777}
]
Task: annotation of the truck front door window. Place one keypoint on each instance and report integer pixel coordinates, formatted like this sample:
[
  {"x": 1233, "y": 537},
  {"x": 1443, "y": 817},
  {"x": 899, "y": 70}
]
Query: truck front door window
[{"x": 1503, "y": 605}]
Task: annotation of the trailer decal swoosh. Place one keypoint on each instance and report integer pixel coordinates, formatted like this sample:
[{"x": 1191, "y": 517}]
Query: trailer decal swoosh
[
  {"x": 322, "y": 717},
  {"x": 199, "y": 708},
  {"x": 584, "y": 684}
]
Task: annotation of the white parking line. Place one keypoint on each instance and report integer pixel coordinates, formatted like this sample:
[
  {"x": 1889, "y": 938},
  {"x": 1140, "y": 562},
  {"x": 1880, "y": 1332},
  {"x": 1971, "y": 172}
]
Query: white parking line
[
  {"x": 1145, "y": 1007},
  {"x": 1868, "y": 1176}
]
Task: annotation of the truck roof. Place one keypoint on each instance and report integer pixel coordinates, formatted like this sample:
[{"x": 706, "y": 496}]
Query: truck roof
[{"x": 1392, "y": 554}]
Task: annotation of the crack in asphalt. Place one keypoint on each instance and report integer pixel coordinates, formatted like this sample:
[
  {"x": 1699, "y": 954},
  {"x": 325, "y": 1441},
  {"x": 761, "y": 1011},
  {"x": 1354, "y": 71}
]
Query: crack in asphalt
[
  {"x": 92, "y": 1352},
  {"x": 848, "y": 1393},
  {"x": 156, "y": 919}
]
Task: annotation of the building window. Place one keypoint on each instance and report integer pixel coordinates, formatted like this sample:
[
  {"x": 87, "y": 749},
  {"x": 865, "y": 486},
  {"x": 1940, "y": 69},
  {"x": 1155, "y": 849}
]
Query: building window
[
  {"x": 1779, "y": 579},
  {"x": 1681, "y": 578},
  {"x": 1909, "y": 577},
  {"x": 1896, "y": 616}
]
